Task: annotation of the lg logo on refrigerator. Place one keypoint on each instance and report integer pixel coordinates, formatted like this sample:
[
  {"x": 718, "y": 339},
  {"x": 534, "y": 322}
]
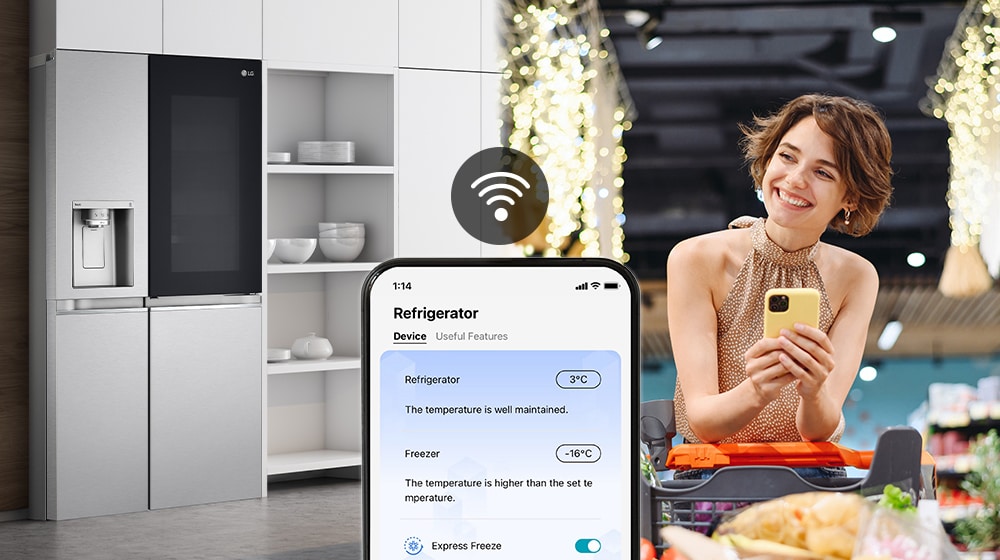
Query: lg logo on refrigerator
[{"x": 246, "y": 73}]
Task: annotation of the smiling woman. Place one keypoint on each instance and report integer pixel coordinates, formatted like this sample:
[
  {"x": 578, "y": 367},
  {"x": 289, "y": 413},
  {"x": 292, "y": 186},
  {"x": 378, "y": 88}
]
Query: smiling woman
[{"x": 820, "y": 162}]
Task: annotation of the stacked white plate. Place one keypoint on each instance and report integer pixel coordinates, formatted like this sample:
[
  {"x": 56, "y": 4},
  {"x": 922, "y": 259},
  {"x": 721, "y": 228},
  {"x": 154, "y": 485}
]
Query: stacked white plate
[{"x": 326, "y": 152}]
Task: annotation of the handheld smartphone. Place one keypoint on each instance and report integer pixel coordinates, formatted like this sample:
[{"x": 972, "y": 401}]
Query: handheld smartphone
[
  {"x": 500, "y": 409},
  {"x": 783, "y": 307}
]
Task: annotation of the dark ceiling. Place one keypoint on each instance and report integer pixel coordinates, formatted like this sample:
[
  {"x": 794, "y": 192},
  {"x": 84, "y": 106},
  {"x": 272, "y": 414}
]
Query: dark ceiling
[{"x": 722, "y": 62}]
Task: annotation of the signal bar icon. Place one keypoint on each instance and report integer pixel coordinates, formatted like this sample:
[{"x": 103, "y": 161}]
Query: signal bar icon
[{"x": 588, "y": 286}]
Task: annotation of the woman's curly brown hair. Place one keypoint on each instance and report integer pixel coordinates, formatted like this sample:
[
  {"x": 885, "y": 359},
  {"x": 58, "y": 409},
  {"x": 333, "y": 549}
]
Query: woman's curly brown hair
[{"x": 862, "y": 148}]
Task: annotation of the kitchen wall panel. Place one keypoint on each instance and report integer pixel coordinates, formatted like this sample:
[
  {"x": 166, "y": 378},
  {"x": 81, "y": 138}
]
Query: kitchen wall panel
[{"x": 14, "y": 251}]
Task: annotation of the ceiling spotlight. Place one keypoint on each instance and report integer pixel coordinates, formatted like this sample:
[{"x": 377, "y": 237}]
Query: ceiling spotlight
[
  {"x": 636, "y": 18},
  {"x": 886, "y": 22},
  {"x": 647, "y": 34},
  {"x": 884, "y": 34},
  {"x": 868, "y": 373},
  {"x": 916, "y": 259},
  {"x": 890, "y": 333}
]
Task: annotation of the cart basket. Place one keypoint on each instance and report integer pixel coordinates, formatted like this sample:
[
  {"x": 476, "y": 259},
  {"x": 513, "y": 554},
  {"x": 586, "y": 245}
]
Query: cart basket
[{"x": 748, "y": 473}]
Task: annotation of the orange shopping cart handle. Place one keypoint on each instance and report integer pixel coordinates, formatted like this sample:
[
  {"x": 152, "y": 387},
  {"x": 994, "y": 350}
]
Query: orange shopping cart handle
[{"x": 789, "y": 454}]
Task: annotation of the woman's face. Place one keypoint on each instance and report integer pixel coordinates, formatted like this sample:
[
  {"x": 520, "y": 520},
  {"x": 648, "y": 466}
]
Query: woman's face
[{"x": 803, "y": 186}]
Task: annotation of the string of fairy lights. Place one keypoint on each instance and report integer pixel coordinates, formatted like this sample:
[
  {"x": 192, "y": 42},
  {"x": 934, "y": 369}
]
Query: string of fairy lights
[
  {"x": 557, "y": 58},
  {"x": 967, "y": 95}
]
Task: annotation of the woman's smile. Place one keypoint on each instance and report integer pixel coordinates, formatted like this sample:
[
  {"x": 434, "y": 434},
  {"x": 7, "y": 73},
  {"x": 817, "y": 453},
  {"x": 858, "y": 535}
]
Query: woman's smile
[{"x": 789, "y": 198}]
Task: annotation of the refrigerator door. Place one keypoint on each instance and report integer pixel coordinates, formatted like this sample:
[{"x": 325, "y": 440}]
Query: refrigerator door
[
  {"x": 205, "y": 158},
  {"x": 95, "y": 130},
  {"x": 204, "y": 404},
  {"x": 97, "y": 413}
]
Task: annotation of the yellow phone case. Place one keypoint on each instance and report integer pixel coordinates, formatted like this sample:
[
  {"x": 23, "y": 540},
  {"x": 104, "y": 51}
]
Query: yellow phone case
[{"x": 803, "y": 307}]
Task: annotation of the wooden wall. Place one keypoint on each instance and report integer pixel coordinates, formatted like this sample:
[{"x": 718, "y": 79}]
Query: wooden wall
[{"x": 13, "y": 254}]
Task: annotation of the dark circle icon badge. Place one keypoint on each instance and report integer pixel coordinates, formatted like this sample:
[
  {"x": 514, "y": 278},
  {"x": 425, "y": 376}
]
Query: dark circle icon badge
[{"x": 500, "y": 196}]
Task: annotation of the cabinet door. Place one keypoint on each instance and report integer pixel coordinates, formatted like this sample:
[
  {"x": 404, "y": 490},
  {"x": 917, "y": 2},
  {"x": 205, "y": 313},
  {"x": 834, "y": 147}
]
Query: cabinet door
[
  {"x": 220, "y": 28},
  {"x": 450, "y": 35},
  {"x": 331, "y": 31},
  {"x": 109, "y": 25},
  {"x": 204, "y": 405},
  {"x": 439, "y": 128},
  {"x": 440, "y": 34},
  {"x": 97, "y": 417}
]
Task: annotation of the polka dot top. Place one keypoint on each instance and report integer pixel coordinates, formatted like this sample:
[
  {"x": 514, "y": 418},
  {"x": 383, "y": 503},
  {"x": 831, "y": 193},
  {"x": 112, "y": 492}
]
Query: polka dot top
[{"x": 741, "y": 324}]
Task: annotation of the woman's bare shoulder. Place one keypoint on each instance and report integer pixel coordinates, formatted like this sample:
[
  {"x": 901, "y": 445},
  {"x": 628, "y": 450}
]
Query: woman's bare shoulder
[
  {"x": 847, "y": 264},
  {"x": 711, "y": 252},
  {"x": 845, "y": 273}
]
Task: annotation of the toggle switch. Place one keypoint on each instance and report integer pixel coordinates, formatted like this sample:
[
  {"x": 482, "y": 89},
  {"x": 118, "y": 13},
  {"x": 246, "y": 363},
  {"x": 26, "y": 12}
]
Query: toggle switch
[{"x": 588, "y": 546}]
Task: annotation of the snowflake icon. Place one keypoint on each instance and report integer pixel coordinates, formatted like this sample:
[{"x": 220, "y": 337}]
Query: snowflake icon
[{"x": 413, "y": 546}]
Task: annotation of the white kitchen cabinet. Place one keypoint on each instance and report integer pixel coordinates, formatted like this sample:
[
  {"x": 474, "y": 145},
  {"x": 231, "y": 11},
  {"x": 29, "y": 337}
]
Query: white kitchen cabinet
[
  {"x": 96, "y": 25},
  {"x": 332, "y": 31},
  {"x": 219, "y": 28},
  {"x": 444, "y": 119},
  {"x": 449, "y": 35},
  {"x": 204, "y": 404},
  {"x": 313, "y": 407}
]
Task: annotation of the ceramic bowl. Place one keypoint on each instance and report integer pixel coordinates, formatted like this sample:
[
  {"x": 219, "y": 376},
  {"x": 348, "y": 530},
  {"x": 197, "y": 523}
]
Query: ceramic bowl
[
  {"x": 270, "y": 248},
  {"x": 294, "y": 250},
  {"x": 331, "y": 226},
  {"x": 341, "y": 249}
]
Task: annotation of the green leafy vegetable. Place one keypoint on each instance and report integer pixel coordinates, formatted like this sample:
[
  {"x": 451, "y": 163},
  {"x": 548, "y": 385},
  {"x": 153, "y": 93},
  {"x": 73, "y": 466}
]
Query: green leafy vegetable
[{"x": 894, "y": 498}]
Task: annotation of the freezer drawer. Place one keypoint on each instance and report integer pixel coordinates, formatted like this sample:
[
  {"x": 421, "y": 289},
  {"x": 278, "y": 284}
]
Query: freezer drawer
[
  {"x": 204, "y": 404},
  {"x": 97, "y": 440}
]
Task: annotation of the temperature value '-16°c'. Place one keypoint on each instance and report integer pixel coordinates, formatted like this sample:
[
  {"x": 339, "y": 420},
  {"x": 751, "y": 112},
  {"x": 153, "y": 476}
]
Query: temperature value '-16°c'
[{"x": 578, "y": 379}]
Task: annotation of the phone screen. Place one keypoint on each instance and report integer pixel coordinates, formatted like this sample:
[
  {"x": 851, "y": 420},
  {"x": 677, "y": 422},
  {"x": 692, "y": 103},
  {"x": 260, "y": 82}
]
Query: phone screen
[{"x": 501, "y": 409}]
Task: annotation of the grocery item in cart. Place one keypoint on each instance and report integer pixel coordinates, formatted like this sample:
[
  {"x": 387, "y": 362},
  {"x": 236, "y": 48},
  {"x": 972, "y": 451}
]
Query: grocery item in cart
[
  {"x": 832, "y": 525},
  {"x": 824, "y": 523}
]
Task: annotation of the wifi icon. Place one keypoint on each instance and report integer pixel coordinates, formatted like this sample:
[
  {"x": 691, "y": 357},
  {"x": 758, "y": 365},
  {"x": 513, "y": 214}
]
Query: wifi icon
[
  {"x": 500, "y": 196},
  {"x": 501, "y": 214}
]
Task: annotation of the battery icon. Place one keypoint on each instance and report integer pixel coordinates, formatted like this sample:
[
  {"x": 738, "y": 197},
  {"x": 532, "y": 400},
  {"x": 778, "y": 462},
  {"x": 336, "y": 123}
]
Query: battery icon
[{"x": 611, "y": 285}]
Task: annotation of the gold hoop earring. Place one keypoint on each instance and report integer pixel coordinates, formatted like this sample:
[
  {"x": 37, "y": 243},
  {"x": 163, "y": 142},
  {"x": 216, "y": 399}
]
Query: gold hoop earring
[{"x": 847, "y": 217}]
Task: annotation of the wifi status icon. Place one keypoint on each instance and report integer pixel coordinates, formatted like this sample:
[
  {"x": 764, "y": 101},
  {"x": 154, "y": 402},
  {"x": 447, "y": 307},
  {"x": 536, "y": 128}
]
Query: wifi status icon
[
  {"x": 501, "y": 213},
  {"x": 500, "y": 196}
]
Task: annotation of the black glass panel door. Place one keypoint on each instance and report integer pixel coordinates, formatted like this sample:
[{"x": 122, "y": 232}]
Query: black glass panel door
[{"x": 205, "y": 176}]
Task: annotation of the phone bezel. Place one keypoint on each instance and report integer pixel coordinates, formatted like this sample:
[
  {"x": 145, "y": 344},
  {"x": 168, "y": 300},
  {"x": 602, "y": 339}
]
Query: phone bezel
[{"x": 633, "y": 368}]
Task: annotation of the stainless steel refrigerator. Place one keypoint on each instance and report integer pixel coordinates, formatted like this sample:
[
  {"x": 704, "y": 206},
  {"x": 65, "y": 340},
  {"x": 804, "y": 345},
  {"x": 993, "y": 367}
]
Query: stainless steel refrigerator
[{"x": 146, "y": 335}]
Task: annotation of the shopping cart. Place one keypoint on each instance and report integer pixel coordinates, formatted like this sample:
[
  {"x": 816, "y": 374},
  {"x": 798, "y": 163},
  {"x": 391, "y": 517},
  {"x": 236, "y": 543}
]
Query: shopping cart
[{"x": 748, "y": 473}]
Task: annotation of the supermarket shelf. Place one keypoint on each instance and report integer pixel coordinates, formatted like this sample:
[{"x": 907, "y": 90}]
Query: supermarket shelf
[
  {"x": 303, "y": 366},
  {"x": 312, "y": 461}
]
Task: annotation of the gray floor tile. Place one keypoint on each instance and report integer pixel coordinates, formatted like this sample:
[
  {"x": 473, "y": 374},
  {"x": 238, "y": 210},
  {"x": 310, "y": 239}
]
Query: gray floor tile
[{"x": 300, "y": 520}]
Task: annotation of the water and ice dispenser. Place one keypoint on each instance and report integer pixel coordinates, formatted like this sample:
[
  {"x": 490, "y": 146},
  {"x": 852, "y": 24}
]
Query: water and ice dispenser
[{"x": 103, "y": 243}]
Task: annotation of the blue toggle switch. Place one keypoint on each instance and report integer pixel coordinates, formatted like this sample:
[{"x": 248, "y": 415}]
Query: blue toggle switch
[{"x": 588, "y": 546}]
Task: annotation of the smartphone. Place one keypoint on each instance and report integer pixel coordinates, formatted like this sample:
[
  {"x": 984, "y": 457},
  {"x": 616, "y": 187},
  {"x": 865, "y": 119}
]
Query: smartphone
[
  {"x": 500, "y": 409},
  {"x": 783, "y": 307}
]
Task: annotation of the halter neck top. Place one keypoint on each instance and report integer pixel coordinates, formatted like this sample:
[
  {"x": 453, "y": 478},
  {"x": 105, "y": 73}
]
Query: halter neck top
[{"x": 741, "y": 324}]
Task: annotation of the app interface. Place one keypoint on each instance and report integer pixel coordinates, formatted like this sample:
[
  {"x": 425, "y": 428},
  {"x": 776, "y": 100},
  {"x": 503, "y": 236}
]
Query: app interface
[{"x": 500, "y": 404}]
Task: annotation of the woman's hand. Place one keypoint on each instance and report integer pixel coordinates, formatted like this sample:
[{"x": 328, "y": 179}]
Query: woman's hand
[
  {"x": 765, "y": 370},
  {"x": 807, "y": 354}
]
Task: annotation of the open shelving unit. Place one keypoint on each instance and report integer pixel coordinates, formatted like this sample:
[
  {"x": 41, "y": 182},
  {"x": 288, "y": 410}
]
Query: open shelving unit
[{"x": 313, "y": 407}]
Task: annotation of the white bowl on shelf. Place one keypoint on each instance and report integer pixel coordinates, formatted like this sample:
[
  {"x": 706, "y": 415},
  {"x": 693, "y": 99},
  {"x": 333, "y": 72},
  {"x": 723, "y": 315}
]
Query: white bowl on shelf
[
  {"x": 331, "y": 226},
  {"x": 341, "y": 249},
  {"x": 294, "y": 250},
  {"x": 271, "y": 243},
  {"x": 336, "y": 233}
]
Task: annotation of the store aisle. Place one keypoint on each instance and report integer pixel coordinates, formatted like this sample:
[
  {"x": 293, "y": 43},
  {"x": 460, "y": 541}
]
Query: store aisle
[{"x": 317, "y": 519}]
